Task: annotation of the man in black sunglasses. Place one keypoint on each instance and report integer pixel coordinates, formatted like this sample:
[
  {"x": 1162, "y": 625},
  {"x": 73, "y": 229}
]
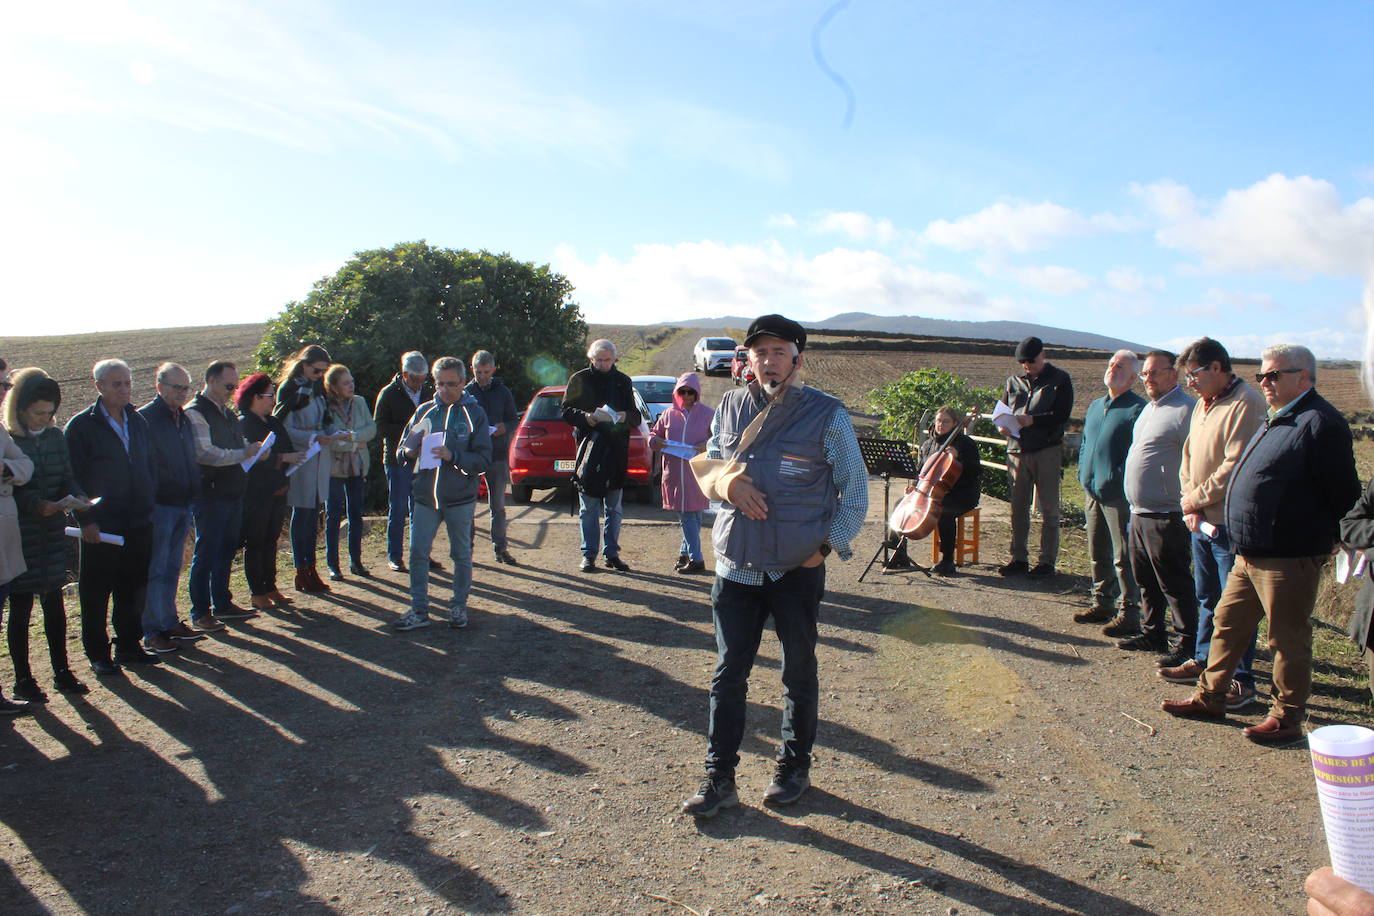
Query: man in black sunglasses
[{"x": 1293, "y": 483}]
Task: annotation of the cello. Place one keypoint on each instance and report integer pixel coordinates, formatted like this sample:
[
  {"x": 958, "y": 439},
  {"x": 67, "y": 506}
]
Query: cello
[{"x": 918, "y": 511}]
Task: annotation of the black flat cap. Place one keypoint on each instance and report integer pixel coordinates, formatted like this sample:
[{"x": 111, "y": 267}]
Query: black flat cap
[
  {"x": 779, "y": 327},
  {"x": 1028, "y": 349}
]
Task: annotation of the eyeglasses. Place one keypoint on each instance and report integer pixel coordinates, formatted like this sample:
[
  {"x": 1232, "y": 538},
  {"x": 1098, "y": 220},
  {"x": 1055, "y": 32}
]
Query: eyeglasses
[
  {"x": 229, "y": 387},
  {"x": 264, "y": 394},
  {"x": 1149, "y": 373},
  {"x": 1272, "y": 376},
  {"x": 686, "y": 391},
  {"x": 1194, "y": 373}
]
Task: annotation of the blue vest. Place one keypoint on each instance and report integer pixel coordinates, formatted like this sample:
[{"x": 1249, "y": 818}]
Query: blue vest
[{"x": 787, "y": 462}]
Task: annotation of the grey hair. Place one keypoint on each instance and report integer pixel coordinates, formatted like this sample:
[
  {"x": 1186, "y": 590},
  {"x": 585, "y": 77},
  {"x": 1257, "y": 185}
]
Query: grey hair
[
  {"x": 445, "y": 363},
  {"x": 167, "y": 370},
  {"x": 414, "y": 363},
  {"x": 598, "y": 346},
  {"x": 106, "y": 366},
  {"x": 1293, "y": 356},
  {"x": 1131, "y": 355},
  {"x": 483, "y": 358}
]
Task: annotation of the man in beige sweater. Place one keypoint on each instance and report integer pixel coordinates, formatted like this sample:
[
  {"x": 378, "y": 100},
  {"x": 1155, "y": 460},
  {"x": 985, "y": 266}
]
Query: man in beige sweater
[{"x": 1227, "y": 415}]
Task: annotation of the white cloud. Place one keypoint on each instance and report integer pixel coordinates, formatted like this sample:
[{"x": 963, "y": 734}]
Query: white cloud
[
  {"x": 1053, "y": 279},
  {"x": 1325, "y": 343},
  {"x": 1017, "y": 226},
  {"x": 858, "y": 226},
  {"x": 1131, "y": 280},
  {"x": 1278, "y": 224},
  {"x": 704, "y": 279},
  {"x": 782, "y": 221}
]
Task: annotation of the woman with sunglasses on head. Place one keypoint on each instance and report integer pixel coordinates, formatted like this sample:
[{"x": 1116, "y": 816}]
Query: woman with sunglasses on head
[
  {"x": 302, "y": 408},
  {"x": 349, "y": 462},
  {"x": 29, "y": 411},
  {"x": 264, "y": 509},
  {"x": 687, "y": 421}
]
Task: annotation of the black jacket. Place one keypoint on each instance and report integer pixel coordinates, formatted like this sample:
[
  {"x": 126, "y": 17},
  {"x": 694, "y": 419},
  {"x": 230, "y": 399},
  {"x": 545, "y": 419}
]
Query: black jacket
[
  {"x": 1293, "y": 484},
  {"x": 174, "y": 453},
  {"x": 965, "y": 493},
  {"x": 588, "y": 390},
  {"x": 393, "y": 411},
  {"x": 498, "y": 402},
  {"x": 268, "y": 474},
  {"x": 125, "y": 480},
  {"x": 1357, "y": 531},
  {"x": 1048, "y": 398}
]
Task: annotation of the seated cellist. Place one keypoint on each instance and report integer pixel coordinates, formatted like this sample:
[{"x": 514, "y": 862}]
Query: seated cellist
[{"x": 947, "y": 432}]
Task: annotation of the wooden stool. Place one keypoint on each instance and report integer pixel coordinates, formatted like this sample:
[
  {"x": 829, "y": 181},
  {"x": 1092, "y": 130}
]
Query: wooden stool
[{"x": 965, "y": 543}]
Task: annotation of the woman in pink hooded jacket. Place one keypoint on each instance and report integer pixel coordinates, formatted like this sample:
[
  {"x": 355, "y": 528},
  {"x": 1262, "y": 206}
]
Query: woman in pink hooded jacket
[{"x": 687, "y": 422}]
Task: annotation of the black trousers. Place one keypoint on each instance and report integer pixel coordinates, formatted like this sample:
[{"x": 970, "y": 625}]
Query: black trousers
[
  {"x": 119, "y": 576},
  {"x": 263, "y": 518},
  {"x": 1161, "y": 558},
  {"x": 54, "y": 628}
]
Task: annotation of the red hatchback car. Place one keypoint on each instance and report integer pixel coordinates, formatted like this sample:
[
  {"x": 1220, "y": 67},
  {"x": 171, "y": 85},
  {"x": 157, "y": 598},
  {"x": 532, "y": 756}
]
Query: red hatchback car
[{"x": 543, "y": 454}]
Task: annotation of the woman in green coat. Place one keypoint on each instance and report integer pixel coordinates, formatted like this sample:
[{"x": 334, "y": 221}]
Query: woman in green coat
[{"x": 29, "y": 412}]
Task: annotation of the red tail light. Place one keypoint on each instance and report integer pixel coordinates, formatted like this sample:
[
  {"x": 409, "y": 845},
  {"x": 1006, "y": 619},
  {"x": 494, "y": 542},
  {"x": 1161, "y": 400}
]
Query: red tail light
[{"x": 530, "y": 432}]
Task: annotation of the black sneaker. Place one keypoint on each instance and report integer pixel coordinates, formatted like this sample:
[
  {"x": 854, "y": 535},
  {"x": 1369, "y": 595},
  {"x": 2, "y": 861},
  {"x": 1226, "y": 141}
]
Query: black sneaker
[
  {"x": 27, "y": 689},
  {"x": 103, "y": 667},
  {"x": 66, "y": 682},
  {"x": 587, "y": 565},
  {"x": 1121, "y": 626},
  {"x": 617, "y": 564},
  {"x": 135, "y": 656},
  {"x": 1144, "y": 642},
  {"x": 945, "y": 568},
  {"x": 715, "y": 792},
  {"x": 1174, "y": 658},
  {"x": 1099, "y": 615},
  {"x": 788, "y": 784},
  {"x": 1041, "y": 571},
  {"x": 8, "y": 708},
  {"x": 1014, "y": 568}
]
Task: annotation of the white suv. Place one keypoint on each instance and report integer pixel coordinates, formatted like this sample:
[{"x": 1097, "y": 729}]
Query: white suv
[{"x": 713, "y": 354}]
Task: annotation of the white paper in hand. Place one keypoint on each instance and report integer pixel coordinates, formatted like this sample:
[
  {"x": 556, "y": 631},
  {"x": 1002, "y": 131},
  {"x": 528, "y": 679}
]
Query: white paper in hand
[
  {"x": 604, "y": 414},
  {"x": 266, "y": 447},
  {"x": 428, "y": 460},
  {"x": 115, "y": 539},
  {"x": 1003, "y": 419},
  {"x": 311, "y": 451}
]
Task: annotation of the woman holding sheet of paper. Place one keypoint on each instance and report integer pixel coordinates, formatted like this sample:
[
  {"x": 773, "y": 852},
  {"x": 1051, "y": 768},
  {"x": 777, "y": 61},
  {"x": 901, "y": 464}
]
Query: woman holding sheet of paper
[
  {"x": 303, "y": 411},
  {"x": 29, "y": 412},
  {"x": 264, "y": 508},
  {"x": 680, "y": 432},
  {"x": 348, "y": 465}
]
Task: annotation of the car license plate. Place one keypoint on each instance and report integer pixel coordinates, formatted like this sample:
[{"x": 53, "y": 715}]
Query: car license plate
[{"x": 569, "y": 465}]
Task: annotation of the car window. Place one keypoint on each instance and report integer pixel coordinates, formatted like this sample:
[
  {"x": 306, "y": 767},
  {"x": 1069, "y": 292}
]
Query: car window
[
  {"x": 656, "y": 392},
  {"x": 546, "y": 407},
  {"x": 720, "y": 343}
]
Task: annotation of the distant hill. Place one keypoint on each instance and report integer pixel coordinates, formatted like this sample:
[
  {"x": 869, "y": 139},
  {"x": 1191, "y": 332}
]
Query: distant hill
[{"x": 945, "y": 327}]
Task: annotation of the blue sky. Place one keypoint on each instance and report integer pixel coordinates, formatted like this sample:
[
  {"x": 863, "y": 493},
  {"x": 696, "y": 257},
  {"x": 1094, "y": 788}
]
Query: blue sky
[{"x": 1150, "y": 171}]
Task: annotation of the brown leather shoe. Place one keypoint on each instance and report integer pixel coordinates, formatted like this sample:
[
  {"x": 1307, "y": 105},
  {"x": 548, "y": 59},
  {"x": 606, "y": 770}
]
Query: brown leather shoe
[
  {"x": 276, "y": 595},
  {"x": 303, "y": 581},
  {"x": 1186, "y": 673},
  {"x": 262, "y": 602},
  {"x": 1273, "y": 731},
  {"x": 1194, "y": 708},
  {"x": 320, "y": 584}
]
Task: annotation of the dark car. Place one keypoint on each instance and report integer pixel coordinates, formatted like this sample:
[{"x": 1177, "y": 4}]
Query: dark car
[{"x": 543, "y": 452}]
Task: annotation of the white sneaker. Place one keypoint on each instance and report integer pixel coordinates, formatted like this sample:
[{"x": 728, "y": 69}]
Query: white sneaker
[
  {"x": 458, "y": 618},
  {"x": 410, "y": 621}
]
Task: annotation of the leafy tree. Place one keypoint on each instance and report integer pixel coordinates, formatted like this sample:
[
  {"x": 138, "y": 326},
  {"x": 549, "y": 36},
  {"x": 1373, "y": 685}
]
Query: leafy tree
[
  {"x": 909, "y": 404},
  {"x": 442, "y": 302}
]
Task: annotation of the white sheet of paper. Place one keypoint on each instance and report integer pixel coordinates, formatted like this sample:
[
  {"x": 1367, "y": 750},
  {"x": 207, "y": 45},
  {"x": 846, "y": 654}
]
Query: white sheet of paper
[
  {"x": 1343, "y": 764},
  {"x": 266, "y": 447},
  {"x": 1208, "y": 529},
  {"x": 605, "y": 413},
  {"x": 71, "y": 503},
  {"x": 311, "y": 451},
  {"x": 115, "y": 539},
  {"x": 427, "y": 458},
  {"x": 1350, "y": 564},
  {"x": 1001, "y": 418}
]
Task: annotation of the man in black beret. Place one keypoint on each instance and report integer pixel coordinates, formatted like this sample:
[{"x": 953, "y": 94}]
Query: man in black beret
[
  {"x": 795, "y": 490},
  {"x": 1040, "y": 399}
]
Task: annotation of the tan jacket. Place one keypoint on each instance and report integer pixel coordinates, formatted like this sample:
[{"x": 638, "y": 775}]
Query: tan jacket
[
  {"x": 15, "y": 470},
  {"x": 1216, "y": 438}
]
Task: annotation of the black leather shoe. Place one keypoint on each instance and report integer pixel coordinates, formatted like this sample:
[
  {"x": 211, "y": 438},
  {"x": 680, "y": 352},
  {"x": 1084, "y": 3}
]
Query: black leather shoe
[
  {"x": 334, "y": 576},
  {"x": 617, "y": 564},
  {"x": 1014, "y": 568},
  {"x": 1145, "y": 642},
  {"x": 692, "y": 566},
  {"x": 27, "y": 689},
  {"x": 503, "y": 556},
  {"x": 10, "y": 709},
  {"x": 587, "y": 565},
  {"x": 136, "y": 657},
  {"x": 682, "y": 560},
  {"x": 1174, "y": 658},
  {"x": 358, "y": 569},
  {"x": 103, "y": 667},
  {"x": 1041, "y": 571},
  {"x": 436, "y": 565}
]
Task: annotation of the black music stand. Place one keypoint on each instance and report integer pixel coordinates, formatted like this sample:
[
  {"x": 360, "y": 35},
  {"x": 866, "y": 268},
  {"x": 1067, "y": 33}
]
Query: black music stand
[{"x": 886, "y": 458}]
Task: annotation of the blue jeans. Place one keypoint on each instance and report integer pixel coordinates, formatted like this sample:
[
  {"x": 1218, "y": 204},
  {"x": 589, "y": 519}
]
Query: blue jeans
[
  {"x": 349, "y": 491},
  {"x": 305, "y": 534},
  {"x": 170, "y": 526},
  {"x": 398, "y": 482},
  {"x": 1212, "y": 562},
  {"x": 424, "y": 522},
  {"x": 590, "y": 516},
  {"x": 740, "y": 612},
  {"x": 691, "y": 534},
  {"x": 218, "y": 523}
]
